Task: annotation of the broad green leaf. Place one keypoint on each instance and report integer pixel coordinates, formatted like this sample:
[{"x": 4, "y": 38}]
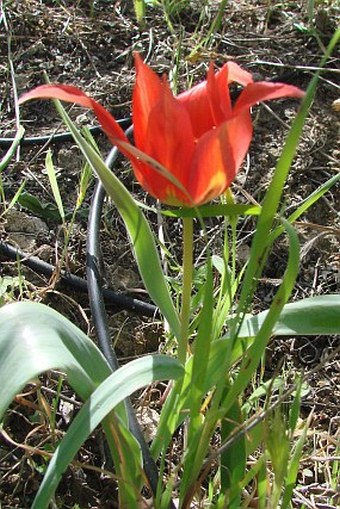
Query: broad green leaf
[
  {"x": 311, "y": 316},
  {"x": 107, "y": 396},
  {"x": 35, "y": 205},
  {"x": 34, "y": 339}
]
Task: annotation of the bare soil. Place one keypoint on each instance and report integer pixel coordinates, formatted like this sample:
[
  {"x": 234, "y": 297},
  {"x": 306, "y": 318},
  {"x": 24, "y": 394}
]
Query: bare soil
[{"x": 90, "y": 44}]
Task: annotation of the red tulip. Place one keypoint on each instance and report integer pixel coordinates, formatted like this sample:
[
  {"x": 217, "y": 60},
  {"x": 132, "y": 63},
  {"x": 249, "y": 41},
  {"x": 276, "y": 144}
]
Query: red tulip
[{"x": 190, "y": 146}]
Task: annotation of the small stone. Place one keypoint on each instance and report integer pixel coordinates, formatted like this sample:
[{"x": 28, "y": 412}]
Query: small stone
[{"x": 24, "y": 230}]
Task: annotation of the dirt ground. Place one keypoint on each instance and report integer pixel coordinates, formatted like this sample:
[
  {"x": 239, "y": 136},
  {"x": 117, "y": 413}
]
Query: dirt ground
[{"x": 92, "y": 48}]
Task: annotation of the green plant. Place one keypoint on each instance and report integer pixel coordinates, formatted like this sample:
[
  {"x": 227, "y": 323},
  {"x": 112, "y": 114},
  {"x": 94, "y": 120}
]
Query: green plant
[
  {"x": 219, "y": 344},
  {"x": 84, "y": 181}
]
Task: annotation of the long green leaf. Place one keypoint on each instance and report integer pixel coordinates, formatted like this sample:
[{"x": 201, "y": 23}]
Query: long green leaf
[
  {"x": 310, "y": 316},
  {"x": 107, "y": 396},
  {"x": 141, "y": 236}
]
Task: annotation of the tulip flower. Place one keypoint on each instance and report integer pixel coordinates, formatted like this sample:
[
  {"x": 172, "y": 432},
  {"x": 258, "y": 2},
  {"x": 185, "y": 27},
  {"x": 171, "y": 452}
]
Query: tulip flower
[{"x": 188, "y": 148}]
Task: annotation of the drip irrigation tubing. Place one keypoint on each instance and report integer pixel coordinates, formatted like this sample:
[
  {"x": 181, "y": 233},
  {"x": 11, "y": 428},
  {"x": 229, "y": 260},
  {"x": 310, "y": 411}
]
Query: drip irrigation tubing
[
  {"x": 57, "y": 138},
  {"x": 120, "y": 301}
]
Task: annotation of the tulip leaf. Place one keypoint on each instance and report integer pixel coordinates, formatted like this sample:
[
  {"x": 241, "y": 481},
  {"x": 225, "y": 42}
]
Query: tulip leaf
[
  {"x": 34, "y": 339},
  {"x": 106, "y": 397},
  {"x": 140, "y": 234},
  {"x": 311, "y": 316},
  {"x": 252, "y": 356}
]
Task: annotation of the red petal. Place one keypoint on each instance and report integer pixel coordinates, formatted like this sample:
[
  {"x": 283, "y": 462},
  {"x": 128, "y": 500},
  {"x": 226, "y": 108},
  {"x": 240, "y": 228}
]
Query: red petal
[
  {"x": 72, "y": 94},
  {"x": 237, "y": 74},
  {"x": 66, "y": 93},
  {"x": 196, "y": 102},
  {"x": 218, "y": 89},
  {"x": 170, "y": 141},
  {"x": 208, "y": 103},
  {"x": 264, "y": 91},
  {"x": 218, "y": 157},
  {"x": 146, "y": 94},
  {"x": 218, "y": 95}
]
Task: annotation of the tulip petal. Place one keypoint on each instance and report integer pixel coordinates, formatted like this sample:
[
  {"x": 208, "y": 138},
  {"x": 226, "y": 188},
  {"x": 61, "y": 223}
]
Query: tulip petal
[
  {"x": 143, "y": 164},
  {"x": 170, "y": 141},
  {"x": 236, "y": 74},
  {"x": 71, "y": 94},
  {"x": 218, "y": 157},
  {"x": 264, "y": 91},
  {"x": 218, "y": 95},
  {"x": 196, "y": 102},
  {"x": 146, "y": 93},
  {"x": 208, "y": 103},
  {"x": 218, "y": 89}
]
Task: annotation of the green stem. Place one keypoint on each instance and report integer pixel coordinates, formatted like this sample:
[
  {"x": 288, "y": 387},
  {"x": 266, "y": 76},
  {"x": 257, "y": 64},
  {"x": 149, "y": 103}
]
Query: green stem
[{"x": 187, "y": 283}]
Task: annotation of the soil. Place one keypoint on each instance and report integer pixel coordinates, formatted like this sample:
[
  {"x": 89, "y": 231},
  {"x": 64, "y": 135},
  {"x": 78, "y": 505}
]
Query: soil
[{"x": 90, "y": 44}]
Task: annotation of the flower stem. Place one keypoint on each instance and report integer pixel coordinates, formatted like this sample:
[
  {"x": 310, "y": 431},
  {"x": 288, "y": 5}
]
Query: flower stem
[{"x": 187, "y": 283}]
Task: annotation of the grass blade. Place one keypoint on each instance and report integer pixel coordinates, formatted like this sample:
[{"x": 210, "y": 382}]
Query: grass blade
[
  {"x": 253, "y": 355},
  {"x": 54, "y": 184}
]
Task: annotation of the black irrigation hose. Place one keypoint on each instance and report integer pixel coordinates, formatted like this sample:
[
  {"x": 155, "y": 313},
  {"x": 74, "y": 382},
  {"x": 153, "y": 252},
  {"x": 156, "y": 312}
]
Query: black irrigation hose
[
  {"x": 118, "y": 300},
  {"x": 99, "y": 316},
  {"x": 57, "y": 137}
]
